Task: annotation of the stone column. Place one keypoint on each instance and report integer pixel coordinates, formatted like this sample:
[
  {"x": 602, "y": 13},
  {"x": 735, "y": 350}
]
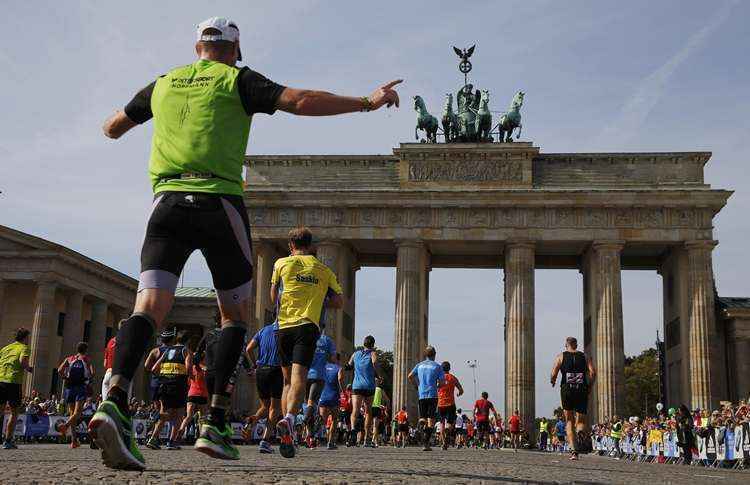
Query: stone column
[
  {"x": 701, "y": 321},
  {"x": 45, "y": 320},
  {"x": 610, "y": 352},
  {"x": 96, "y": 339},
  {"x": 73, "y": 329},
  {"x": 411, "y": 264},
  {"x": 519, "y": 331},
  {"x": 266, "y": 256},
  {"x": 332, "y": 254}
]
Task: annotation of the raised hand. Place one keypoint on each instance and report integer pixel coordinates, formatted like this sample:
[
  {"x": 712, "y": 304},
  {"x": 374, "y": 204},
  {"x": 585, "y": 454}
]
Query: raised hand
[{"x": 384, "y": 95}]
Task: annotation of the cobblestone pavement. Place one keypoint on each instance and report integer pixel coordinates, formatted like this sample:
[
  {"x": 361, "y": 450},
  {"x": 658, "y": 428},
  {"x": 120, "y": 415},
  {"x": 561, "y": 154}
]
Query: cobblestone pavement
[{"x": 57, "y": 463}]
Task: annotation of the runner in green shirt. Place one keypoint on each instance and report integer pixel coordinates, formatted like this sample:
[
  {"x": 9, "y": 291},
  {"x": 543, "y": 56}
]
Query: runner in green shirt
[
  {"x": 379, "y": 402},
  {"x": 202, "y": 114},
  {"x": 14, "y": 359}
]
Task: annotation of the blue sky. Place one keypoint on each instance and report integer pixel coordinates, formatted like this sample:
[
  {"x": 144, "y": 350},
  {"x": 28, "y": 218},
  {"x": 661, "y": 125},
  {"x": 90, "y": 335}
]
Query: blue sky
[{"x": 598, "y": 76}]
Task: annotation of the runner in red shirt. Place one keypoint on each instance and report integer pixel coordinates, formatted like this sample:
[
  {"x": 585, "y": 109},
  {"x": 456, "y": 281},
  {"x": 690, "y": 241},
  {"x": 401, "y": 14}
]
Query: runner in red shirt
[
  {"x": 482, "y": 410},
  {"x": 197, "y": 400},
  {"x": 447, "y": 404},
  {"x": 514, "y": 426},
  {"x": 345, "y": 407},
  {"x": 109, "y": 357},
  {"x": 402, "y": 420}
]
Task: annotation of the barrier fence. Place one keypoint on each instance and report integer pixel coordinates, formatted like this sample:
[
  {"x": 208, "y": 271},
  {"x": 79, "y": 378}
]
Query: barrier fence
[
  {"x": 34, "y": 426},
  {"x": 720, "y": 447}
]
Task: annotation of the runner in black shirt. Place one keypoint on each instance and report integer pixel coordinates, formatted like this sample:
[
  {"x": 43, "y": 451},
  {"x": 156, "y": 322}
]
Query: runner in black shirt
[{"x": 578, "y": 376}]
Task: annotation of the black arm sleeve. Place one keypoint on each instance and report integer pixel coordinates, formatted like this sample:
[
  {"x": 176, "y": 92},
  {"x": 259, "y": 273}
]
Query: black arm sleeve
[
  {"x": 258, "y": 93},
  {"x": 139, "y": 108}
]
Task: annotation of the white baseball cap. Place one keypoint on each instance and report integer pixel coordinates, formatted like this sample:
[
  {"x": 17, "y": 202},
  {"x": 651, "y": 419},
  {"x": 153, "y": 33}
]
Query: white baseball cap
[{"x": 227, "y": 28}]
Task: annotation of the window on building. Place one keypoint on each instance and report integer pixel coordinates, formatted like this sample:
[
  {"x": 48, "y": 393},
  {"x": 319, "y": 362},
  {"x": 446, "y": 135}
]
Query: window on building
[
  {"x": 86, "y": 330},
  {"x": 108, "y": 334},
  {"x": 672, "y": 332},
  {"x": 60, "y": 324}
]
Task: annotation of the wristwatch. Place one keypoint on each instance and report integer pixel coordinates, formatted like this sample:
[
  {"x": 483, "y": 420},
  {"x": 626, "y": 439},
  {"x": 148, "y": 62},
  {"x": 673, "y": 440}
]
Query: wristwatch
[{"x": 366, "y": 103}]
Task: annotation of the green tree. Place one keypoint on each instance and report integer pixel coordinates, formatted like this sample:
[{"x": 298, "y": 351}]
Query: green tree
[{"x": 641, "y": 384}]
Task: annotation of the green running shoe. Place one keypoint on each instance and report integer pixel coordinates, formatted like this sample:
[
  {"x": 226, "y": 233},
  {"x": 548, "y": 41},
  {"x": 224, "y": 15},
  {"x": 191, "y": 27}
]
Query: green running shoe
[
  {"x": 216, "y": 443},
  {"x": 112, "y": 431}
]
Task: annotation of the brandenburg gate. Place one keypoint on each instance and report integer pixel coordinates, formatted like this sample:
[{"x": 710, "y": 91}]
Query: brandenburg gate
[{"x": 513, "y": 207}]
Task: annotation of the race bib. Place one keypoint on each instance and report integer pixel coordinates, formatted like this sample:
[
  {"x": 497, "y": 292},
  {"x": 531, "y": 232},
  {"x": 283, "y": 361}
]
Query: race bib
[{"x": 574, "y": 377}]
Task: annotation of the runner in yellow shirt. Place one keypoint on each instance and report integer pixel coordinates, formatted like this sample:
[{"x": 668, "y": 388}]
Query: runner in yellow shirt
[
  {"x": 301, "y": 285},
  {"x": 14, "y": 359}
]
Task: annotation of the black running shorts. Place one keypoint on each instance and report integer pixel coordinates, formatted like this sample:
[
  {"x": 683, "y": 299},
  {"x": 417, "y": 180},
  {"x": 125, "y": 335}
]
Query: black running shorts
[
  {"x": 198, "y": 400},
  {"x": 173, "y": 394},
  {"x": 269, "y": 381},
  {"x": 315, "y": 389},
  {"x": 297, "y": 344},
  {"x": 182, "y": 222},
  {"x": 483, "y": 426},
  {"x": 428, "y": 408},
  {"x": 574, "y": 398},
  {"x": 447, "y": 413},
  {"x": 363, "y": 392}
]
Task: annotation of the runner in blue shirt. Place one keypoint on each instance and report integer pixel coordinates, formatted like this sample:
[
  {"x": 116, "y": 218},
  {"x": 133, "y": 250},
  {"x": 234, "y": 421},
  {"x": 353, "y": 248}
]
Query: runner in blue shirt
[
  {"x": 325, "y": 351},
  {"x": 329, "y": 398},
  {"x": 428, "y": 375},
  {"x": 363, "y": 388},
  {"x": 268, "y": 379}
]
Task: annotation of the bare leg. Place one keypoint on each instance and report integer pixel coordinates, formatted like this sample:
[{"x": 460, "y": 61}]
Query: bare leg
[
  {"x": 10, "y": 426},
  {"x": 188, "y": 416},
  {"x": 296, "y": 391}
]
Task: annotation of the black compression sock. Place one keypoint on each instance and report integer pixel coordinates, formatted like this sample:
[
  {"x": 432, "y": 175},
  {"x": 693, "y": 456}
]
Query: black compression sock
[
  {"x": 228, "y": 351},
  {"x": 119, "y": 397},
  {"x": 132, "y": 341},
  {"x": 217, "y": 417}
]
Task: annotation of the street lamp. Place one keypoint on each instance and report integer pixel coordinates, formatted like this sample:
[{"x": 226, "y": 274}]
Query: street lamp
[{"x": 473, "y": 364}]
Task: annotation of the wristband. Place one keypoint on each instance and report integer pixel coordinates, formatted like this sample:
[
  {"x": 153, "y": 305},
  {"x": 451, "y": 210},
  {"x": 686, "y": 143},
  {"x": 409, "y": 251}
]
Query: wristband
[{"x": 366, "y": 103}]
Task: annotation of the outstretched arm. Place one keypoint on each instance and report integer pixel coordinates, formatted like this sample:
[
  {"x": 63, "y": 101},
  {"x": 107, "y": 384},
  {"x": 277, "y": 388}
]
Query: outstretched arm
[
  {"x": 117, "y": 125},
  {"x": 136, "y": 112},
  {"x": 307, "y": 102}
]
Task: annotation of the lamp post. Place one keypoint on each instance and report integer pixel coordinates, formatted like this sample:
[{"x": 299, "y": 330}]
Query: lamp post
[{"x": 473, "y": 364}]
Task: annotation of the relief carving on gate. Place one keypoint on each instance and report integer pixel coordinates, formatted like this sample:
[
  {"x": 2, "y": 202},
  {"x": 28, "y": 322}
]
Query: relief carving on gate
[
  {"x": 502, "y": 217},
  {"x": 466, "y": 171}
]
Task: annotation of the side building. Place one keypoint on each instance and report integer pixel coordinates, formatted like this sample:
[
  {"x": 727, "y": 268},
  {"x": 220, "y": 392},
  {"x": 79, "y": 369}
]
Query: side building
[{"x": 64, "y": 298}]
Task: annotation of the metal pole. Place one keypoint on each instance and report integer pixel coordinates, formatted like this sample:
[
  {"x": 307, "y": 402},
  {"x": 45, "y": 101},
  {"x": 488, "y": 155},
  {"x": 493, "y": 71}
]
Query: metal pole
[{"x": 473, "y": 364}]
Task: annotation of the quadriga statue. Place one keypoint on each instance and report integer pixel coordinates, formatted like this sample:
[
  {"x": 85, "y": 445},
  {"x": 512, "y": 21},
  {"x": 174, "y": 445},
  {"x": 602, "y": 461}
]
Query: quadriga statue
[
  {"x": 425, "y": 121},
  {"x": 512, "y": 119}
]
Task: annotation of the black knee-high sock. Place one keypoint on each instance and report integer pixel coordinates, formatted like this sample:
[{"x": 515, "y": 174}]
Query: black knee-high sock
[
  {"x": 132, "y": 342},
  {"x": 427, "y": 434},
  {"x": 228, "y": 351}
]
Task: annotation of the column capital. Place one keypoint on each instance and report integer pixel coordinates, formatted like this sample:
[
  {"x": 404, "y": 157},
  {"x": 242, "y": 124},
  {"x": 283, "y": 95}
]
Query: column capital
[
  {"x": 520, "y": 243},
  {"x": 608, "y": 245},
  {"x": 46, "y": 283},
  {"x": 331, "y": 242},
  {"x": 74, "y": 293},
  {"x": 701, "y": 244},
  {"x": 410, "y": 243}
]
